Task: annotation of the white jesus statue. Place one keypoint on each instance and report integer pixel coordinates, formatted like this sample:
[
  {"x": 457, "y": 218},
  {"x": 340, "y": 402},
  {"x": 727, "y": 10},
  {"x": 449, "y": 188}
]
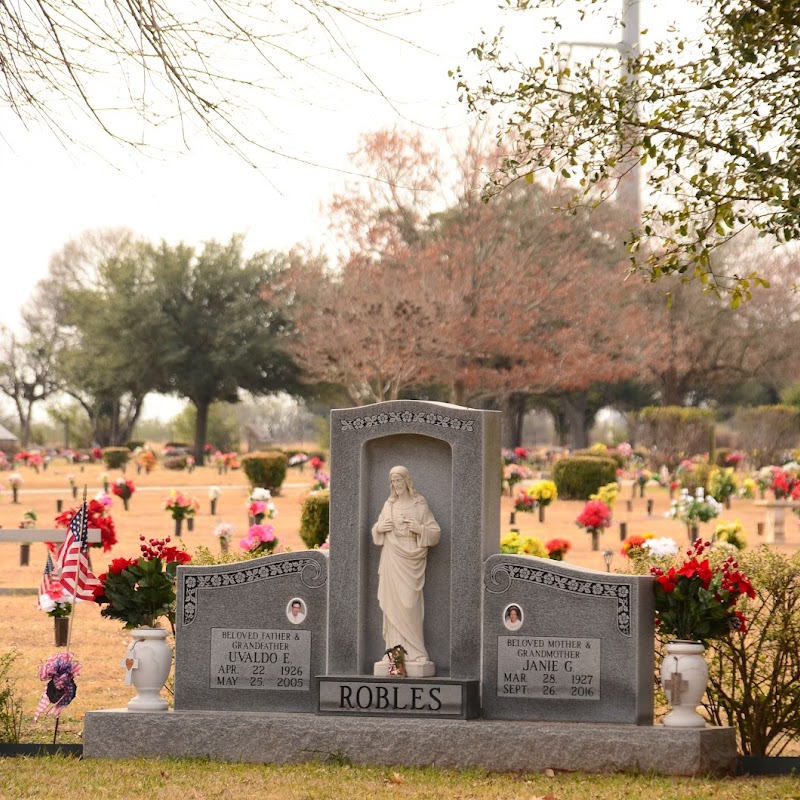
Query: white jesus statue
[{"x": 405, "y": 530}]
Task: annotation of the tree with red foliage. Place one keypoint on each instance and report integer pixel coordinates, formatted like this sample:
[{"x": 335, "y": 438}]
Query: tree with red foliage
[{"x": 488, "y": 302}]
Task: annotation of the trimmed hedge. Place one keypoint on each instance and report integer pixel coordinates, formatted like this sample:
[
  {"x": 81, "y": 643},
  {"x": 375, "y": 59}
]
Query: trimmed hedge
[
  {"x": 614, "y": 455},
  {"x": 577, "y": 478},
  {"x": 266, "y": 469},
  {"x": 673, "y": 433},
  {"x": 767, "y": 433},
  {"x": 315, "y": 519},
  {"x": 116, "y": 457}
]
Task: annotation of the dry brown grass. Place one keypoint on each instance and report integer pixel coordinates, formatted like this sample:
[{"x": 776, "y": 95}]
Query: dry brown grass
[{"x": 99, "y": 643}]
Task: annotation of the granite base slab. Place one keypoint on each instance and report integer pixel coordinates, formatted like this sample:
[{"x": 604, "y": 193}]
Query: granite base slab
[{"x": 502, "y": 746}]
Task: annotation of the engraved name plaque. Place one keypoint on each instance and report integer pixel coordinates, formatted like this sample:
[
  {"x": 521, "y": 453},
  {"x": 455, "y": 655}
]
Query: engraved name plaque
[
  {"x": 548, "y": 667},
  {"x": 253, "y": 658}
]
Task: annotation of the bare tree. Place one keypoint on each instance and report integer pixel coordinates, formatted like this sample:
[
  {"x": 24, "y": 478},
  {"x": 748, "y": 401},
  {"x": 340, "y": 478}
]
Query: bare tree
[
  {"x": 197, "y": 62},
  {"x": 28, "y": 362}
]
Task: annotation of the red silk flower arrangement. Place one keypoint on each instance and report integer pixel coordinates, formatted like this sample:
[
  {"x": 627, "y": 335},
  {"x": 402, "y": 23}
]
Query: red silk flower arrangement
[
  {"x": 595, "y": 517},
  {"x": 99, "y": 517},
  {"x": 696, "y": 602},
  {"x": 138, "y": 591}
]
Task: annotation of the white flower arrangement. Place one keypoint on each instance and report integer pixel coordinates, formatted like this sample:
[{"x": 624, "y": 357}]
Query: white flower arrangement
[
  {"x": 661, "y": 547},
  {"x": 690, "y": 510},
  {"x": 260, "y": 495},
  {"x": 213, "y": 492},
  {"x": 224, "y": 530}
]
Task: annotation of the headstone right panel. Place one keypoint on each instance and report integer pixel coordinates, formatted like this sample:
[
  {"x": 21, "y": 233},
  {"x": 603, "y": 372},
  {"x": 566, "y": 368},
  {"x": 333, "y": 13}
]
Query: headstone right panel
[{"x": 566, "y": 644}]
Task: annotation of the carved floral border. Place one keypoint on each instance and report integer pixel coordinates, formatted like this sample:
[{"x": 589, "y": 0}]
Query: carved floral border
[
  {"x": 418, "y": 417},
  {"x": 501, "y": 575},
  {"x": 310, "y": 570}
]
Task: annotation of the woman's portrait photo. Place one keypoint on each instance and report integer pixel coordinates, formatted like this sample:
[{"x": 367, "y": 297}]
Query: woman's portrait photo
[{"x": 512, "y": 618}]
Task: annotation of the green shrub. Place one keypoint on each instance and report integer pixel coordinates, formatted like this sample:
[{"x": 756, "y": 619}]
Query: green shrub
[
  {"x": 315, "y": 519},
  {"x": 266, "y": 469},
  {"x": 116, "y": 457},
  {"x": 577, "y": 478},
  {"x": 134, "y": 443},
  {"x": 674, "y": 433},
  {"x": 609, "y": 453},
  {"x": 10, "y": 703},
  {"x": 754, "y": 680},
  {"x": 174, "y": 462},
  {"x": 766, "y": 433}
]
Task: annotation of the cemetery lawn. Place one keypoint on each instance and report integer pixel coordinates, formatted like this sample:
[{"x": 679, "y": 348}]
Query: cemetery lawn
[
  {"x": 58, "y": 778},
  {"x": 99, "y": 643}
]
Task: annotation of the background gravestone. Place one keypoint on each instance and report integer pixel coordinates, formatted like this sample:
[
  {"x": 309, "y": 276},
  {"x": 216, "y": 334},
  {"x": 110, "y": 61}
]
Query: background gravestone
[
  {"x": 235, "y": 646},
  {"x": 452, "y": 455},
  {"x": 583, "y": 651}
]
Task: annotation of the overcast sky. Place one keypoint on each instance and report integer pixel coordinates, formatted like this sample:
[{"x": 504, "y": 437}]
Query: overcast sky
[{"x": 53, "y": 191}]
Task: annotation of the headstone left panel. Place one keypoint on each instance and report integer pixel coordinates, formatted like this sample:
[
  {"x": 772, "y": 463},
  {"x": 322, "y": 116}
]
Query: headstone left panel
[{"x": 252, "y": 636}]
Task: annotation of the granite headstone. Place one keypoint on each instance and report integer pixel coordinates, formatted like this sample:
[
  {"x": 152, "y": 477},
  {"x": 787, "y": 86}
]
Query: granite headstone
[
  {"x": 252, "y": 636},
  {"x": 567, "y": 644}
]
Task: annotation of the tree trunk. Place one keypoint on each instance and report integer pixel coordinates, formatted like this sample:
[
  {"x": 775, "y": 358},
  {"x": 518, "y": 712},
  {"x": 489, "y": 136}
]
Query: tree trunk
[
  {"x": 458, "y": 393},
  {"x": 513, "y": 408},
  {"x": 25, "y": 428},
  {"x": 672, "y": 392},
  {"x": 201, "y": 425},
  {"x": 562, "y": 427},
  {"x": 575, "y": 407}
]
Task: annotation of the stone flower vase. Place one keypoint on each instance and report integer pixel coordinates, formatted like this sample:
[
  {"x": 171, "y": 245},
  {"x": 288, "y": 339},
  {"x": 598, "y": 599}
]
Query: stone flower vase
[
  {"x": 684, "y": 675},
  {"x": 61, "y": 630},
  {"x": 148, "y": 660}
]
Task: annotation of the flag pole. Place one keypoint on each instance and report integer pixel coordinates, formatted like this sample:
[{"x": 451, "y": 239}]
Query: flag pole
[{"x": 74, "y": 586}]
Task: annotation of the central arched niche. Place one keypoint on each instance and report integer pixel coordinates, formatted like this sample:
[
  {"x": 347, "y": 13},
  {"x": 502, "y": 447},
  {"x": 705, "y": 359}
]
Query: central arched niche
[{"x": 430, "y": 462}]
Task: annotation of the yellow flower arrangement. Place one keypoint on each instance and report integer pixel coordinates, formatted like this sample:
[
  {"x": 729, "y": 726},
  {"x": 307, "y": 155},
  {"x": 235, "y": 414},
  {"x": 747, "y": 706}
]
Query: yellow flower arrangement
[
  {"x": 748, "y": 489},
  {"x": 607, "y": 494},
  {"x": 732, "y": 533},
  {"x": 514, "y": 544},
  {"x": 543, "y": 492}
]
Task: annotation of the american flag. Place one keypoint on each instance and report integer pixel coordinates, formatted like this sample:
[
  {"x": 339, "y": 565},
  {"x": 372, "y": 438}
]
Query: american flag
[
  {"x": 47, "y": 576},
  {"x": 73, "y": 560}
]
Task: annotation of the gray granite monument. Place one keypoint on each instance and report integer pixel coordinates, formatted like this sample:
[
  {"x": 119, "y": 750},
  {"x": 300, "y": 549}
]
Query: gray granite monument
[
  {"x": 252, "y": 636},
  {"x": 562, "y": 643},
  {"x": 284, "y": 658}
]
